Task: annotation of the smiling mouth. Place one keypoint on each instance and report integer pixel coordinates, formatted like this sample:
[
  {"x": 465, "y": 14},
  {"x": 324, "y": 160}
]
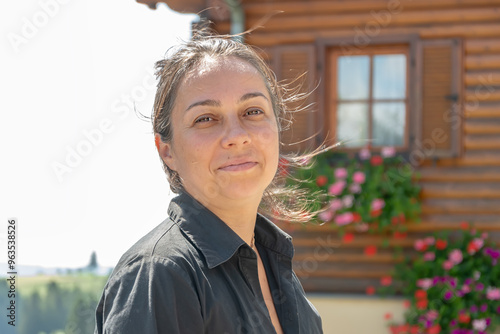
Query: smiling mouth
[{"x": 239, "y": 166}]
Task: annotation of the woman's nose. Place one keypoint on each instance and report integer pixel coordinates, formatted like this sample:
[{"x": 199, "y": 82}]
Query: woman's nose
[{"x": 235, "y": 133}]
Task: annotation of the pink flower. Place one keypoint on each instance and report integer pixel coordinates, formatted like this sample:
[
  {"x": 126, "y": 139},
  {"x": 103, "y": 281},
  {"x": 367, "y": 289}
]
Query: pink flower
[
  {"x": 465, "y": 289},
  {"x": 336, "y": 204},
  {"x": 429, "y": 256},
  {"x": 479, "y": 324},
  {"x": 326, "y": 216},
  {"x": 340, "y": 173},
  {"x": 432, "y": 315},
  {"x": 348, "y": 201},
  {"x": 364, "y": 154},
  {"x": 359, "y": 177},
  {"x": 484, "y": 235},
  {"x": 362, "y": 227},
  {"x": 477, "y": 275},
  {"x": 424, "y": 283},
  {"x": 430, "y": 241},
  {"x": 493, "y": 293},
  {"x": 336, "y": 188},
  {"x": 377, "y": 204},
  {"x": 388, "y": 152},
  {"x": 344, "y": 219},
  {"x": 447, "y": 265},
  {"x": 456, "y": 256},
  {"x": 420, "y": 245},
  {"x": 355, "y": 188}
]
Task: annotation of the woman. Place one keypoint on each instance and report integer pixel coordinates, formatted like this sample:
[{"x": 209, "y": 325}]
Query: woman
[{"x": 215, "y": 265}]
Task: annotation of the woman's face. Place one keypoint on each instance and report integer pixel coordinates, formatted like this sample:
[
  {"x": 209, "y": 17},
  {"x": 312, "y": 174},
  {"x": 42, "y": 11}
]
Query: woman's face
[{"x": 225, "y": 142}]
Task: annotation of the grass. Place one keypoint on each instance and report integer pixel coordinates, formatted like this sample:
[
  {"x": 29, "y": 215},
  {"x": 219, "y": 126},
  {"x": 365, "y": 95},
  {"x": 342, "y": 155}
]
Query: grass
[{"x": 86, "y": 282}]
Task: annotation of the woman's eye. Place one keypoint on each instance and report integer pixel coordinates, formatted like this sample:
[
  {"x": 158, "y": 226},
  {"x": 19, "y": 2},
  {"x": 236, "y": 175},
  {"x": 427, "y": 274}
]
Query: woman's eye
[
  {"x": 203, "y": 119},
  {"x": 254, "y": 112}
]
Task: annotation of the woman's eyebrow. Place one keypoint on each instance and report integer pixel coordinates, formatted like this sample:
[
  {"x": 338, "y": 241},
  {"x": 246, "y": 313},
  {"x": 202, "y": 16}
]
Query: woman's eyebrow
[
  {"x": 210, "y": 103},
  {"x": 216, "y": 103},
  {"x": 248, "y": 96}
]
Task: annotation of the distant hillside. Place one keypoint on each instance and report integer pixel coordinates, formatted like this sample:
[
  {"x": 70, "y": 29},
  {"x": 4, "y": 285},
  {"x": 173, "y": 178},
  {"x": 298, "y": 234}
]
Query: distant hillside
[{"x": 26, "y": 271}]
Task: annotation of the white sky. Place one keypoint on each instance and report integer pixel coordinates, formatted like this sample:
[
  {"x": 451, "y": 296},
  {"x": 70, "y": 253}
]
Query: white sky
[{"x": 70, "y": 74}]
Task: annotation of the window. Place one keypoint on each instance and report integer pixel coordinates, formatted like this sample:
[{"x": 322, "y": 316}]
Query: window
[{"x": 369, "y": 91}]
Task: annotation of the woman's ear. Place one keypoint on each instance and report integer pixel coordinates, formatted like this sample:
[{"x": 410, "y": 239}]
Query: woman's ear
[{"x": 165, "y": 152}]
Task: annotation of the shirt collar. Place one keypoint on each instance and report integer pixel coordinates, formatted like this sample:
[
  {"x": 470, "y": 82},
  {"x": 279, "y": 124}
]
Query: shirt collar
[{"x": 217, "y": 241}]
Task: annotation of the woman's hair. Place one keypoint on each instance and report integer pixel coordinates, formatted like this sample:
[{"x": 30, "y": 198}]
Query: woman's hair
[{"x": 279, "y": 201}]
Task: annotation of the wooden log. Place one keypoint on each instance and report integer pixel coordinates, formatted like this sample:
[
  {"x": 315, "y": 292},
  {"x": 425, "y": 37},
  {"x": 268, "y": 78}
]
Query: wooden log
[
  {"x": 261, "y": 8},
  {"x": 482, "y": 46},
  {"x": 374, "y": 22},
  {"x": 460, "y": 210},
  {"x": 482, "y": 78},
  {"x": 480, "y": 30},
  {"x": 461, "y": 177},
  {"x": 331, "y": 273},
  {"x": 479, "y": 193},
  {"x": 473, "y": 111},
  {"x": 482, "y": 144},
  {"x": 482, "y": 62},
  {"x": 482, "y": 94},
  {"x": 493, "y": 161},
  {"x": 481, "y": 129},
  {"x": 350, "y": 258}
]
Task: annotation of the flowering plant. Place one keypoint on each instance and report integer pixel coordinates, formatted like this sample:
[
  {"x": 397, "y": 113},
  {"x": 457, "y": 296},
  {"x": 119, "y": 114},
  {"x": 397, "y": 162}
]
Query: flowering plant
[
  {"x": 370, "y": 192},
  {"x": 453, "y": 285}
]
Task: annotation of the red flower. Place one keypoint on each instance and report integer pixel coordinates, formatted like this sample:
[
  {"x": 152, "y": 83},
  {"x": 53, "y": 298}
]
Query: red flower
[
  {"x": 421, "y": 294},
  {"x": 395, "y": 220},
  {"x": 406, "y": 304},
  {"x": 414, "y": 329},
  {"x": 436, "y": 329},
  {"x": 388, "y": 316},
  {"x": 375, "y": 213},
  {"x": 402, "y": 218},
  {"x": 464, "y": 318},
  {"x": 376, "y": 160},
  {"x": 348, "y": 238},
  {"x": 472, "y": 247},
  {"x": 441, "y": 244},
  {"x": 370, "y": 290},
  {"x": 400, "y": 235},
  {"x": 356, "y": 217},
  {"x": 422, "y": 304},
  {"x": 464, "y": 225},
  {"x": 321, "y": 180},
  {"x": 386, "y": 280},
  {"x": 370, "y": 250}
]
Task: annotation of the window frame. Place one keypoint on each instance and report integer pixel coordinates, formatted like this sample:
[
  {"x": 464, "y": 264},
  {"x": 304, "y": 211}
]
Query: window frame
[{"x": 346, "y": 46}]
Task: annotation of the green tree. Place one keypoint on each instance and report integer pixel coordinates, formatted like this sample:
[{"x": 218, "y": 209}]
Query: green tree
[{"x": 81, "y": 319}]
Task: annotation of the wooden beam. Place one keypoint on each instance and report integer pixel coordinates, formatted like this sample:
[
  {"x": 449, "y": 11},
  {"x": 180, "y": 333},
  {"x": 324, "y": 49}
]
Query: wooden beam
[
  {"x": 331, "y": 273},
  {"x": 482, "y": 144},
  {"x": 459, "y": 177},
  {"x": 482, "y": 46},
  {"x": 482, "y": 78},
  {"x": 261, "y": 8},
  {"x": 482, "y": 129},
  {"x": 349, "y": 258},
  {"x": 478, "y": 193},
  {"x": 373, "y": 22},
  {"x": 482, "y": 62},
  {"x": 461, "y": 210},
  {"x": 493, "y": 161},
  {"x": 482, "y": 94},
  {"x": 473, "y": 111},
  {"x": 481, "y": 30}
]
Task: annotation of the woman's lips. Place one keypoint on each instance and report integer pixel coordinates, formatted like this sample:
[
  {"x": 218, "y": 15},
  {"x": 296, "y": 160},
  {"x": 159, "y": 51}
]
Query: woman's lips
[{"x": 237, "y": 167}]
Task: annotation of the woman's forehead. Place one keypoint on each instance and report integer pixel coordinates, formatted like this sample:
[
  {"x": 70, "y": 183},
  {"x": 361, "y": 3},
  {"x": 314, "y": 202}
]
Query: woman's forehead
[{"x": 210, "y": 65}]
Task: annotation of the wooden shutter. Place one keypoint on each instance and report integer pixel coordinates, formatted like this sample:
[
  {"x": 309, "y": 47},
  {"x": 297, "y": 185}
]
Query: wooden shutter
[
  {"x": 289, "y": 63},
  {"x": 439, "y": 123}
]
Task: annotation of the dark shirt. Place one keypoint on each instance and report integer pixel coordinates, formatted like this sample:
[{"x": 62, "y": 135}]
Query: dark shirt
[{"x": 193, "y": 274}]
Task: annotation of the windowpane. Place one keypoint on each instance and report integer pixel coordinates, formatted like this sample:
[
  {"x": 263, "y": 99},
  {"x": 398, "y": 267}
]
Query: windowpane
[
  {"x": 353, "y": 77},
  {"x": 389, "y": 76},
  {"x": 389, "y": 124},
  {"x": 352, "y": 125}
]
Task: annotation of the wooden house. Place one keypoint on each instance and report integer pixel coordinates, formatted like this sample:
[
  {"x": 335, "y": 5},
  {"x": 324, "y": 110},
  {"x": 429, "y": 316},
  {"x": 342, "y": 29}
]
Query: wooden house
[{"x": 420, "y": 75}]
